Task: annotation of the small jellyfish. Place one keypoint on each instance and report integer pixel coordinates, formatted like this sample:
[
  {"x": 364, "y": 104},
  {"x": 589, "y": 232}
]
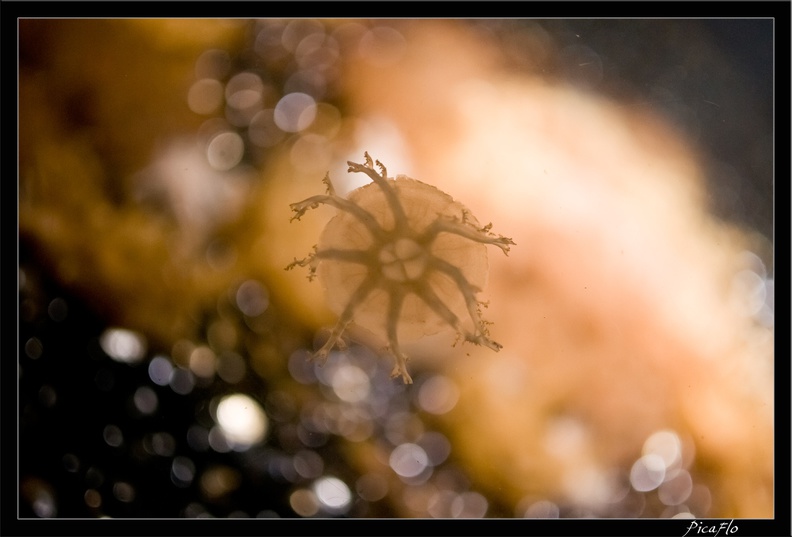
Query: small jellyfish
[{"x": 401, "y": 259}]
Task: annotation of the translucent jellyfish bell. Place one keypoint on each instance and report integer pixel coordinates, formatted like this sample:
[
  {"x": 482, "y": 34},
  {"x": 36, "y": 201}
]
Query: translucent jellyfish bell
[{"x": 401, "y": 259}]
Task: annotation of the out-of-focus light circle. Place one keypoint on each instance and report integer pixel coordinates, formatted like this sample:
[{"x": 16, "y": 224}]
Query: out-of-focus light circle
[
  {"x": 408, "y": 460},
  {"x": 33, "y": 348},
  {"x": 203, "y": 362},
  {"x": 198, "y": 438},
  {"x": 647, "y": 473},
  {"x": 542, "y": 509},
  {"x": 182, "y": 471},
  {"x": 205, "y": 96},
  {"x": 382, "y": 45},
  {"x": 751, "y": 289},
  {"x": 182, "y": 381},
  {"x": 160, "y": 370},
  {"x": 47, "y": 396},
  {"x": 231, "y": 367},
  {"x": 436, "y": 446},
  {"x": 241, "y": 420},
  {"x": 92, "y": 498},
  {"x": 371, "y": 487},
  {"x": 403, "y": 427},
  {"x": 316, "y": 52},
  {"x": 225, "y": 151},
  {"x": 298, "y": 30},
  {"x": 162, "y": 444},
  {"x": 332, "y": 493},
  {"x": 217, "y": 440},
  {"x": 44, "y": 505},
  {"x": 301, "y": 367},
  {"x": 113, "y": 436},
  {"x": 295, "y": 112},
  {"x": 222, "y": 335},
  {"x": 123, "y": 345},
  {"x": 94, "y": 477},
  {"x": 244, "y": 90},
  {"x": 58, "y": 310},
  {"x": 252, "y": 298},
  {"x": 676, "y": 488},
  {"x": 71, "y": 463},
  {"x": 438, "y": 395},
  {"x": 469, "y": 505},
  {"x": 213, "y": 63},
  {"x": 262, "y": 130},
  {"x": 217, "y": 481},
  {"x": 39, "y": 495},
  {"x": 304, "y": 502},
  {"x": 145, "y": 400},
  {"x": 124, "y": 492},
  {"x": 308, "y": 464},
  {"x": 350, "y": 383},
  {"x": 665, "y": 444},
  {"x": 308, "y": 81}
]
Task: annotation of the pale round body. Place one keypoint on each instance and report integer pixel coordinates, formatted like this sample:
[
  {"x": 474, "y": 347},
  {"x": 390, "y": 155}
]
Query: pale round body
[{"x": 400, "y": 259}]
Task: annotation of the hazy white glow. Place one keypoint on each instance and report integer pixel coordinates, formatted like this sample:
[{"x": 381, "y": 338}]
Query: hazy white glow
[
  {"x": 332, "y": 493},
  {"x": 666, "y": 445},
  {"x": 242, "y": 421},
  {"x": 350, "y": 383},
  {"x": 647, "y": 473},
  {"x": 123, "y": 345}
]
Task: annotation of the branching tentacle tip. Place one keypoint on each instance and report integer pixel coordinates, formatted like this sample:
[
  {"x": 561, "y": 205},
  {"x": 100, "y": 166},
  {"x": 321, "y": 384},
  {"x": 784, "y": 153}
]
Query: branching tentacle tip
[{"x": 383, "y": 170}]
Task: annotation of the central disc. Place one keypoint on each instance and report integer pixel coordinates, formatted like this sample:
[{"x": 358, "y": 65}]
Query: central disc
[{"x": 402, "y": 260}]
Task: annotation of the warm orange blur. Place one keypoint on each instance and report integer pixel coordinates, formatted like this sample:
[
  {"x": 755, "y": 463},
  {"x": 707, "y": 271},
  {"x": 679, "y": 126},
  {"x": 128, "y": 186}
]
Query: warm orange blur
[{"x": 621, "y": 309}]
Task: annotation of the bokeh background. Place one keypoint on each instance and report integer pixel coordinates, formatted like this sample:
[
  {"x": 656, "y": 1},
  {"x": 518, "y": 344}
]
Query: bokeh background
[{"x": 163, "y": 349}]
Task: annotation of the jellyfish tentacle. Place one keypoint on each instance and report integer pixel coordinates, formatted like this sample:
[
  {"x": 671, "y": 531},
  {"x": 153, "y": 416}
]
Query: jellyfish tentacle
[
  {"x": 329, "y": 184},
  {"x": 311, "y": 261},
  {"x": 381, "y": 179},
  {"x": 464, "y": 228},
  {"x": 360, "y": 294},
  {"x": 365, "y": 217},
  {"x": 334, "y": 200},
  {"x": 427, "y": 294},
  {"x": 394, "y": 311},
  {"x": 473, "y": 305}
]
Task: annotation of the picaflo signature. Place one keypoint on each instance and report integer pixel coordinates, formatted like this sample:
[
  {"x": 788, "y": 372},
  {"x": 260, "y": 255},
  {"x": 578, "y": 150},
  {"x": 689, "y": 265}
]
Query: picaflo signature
[{"x": 699, "y": 528}]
